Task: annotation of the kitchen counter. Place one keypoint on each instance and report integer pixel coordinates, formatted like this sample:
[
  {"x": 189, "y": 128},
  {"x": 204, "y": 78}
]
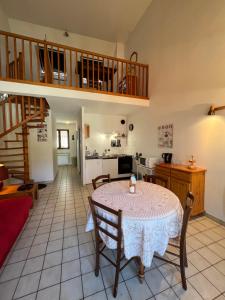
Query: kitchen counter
[{"x": 113, "y": 156}]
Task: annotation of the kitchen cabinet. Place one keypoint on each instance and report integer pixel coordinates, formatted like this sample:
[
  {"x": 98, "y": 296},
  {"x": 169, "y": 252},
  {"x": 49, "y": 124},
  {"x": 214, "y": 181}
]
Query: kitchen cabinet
[
  {"x": 93, "y": 168},
  {"x": 110, "y": 166},
  {"x": 181, "y": 179}
]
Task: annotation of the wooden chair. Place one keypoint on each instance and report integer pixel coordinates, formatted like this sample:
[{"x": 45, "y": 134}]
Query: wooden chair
[
  {"x": 100, "y": 246},
  {"x": 181, "y": 245},
  {"x": 156, "y": 179},
  {"x": 98, "y": 181}
]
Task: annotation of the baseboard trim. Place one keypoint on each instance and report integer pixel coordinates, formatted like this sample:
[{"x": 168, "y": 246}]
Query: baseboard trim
[{"x": 215, "y": 219}]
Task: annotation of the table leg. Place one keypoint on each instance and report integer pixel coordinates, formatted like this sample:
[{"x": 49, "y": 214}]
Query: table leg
[{"x": 141, "y": 272}]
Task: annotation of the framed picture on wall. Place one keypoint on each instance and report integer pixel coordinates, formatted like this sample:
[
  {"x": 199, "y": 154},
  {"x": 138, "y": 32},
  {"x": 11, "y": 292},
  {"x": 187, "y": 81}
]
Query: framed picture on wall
[
  {"x": 42, "y": 134},
  {"x": 165, "y": 136}
]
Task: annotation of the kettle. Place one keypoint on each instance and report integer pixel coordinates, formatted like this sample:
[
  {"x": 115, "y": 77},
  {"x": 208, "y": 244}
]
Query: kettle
[{"x": 167, "y": 157}]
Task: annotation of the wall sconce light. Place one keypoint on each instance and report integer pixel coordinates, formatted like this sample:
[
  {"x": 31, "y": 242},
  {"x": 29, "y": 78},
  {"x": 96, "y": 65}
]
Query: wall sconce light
[{"x": 213, "y": 109}]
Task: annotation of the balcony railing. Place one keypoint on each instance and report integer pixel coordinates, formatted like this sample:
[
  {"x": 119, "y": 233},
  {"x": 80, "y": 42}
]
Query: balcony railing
[{"x": 29, "y": 60}]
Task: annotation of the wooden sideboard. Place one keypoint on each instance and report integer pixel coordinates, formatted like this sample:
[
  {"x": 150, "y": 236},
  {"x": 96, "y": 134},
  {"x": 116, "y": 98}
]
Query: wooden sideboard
[{"x": 181, "y": 179}]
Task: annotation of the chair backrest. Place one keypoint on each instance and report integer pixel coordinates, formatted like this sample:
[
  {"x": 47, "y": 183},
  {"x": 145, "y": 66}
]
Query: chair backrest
[
  {"x": 96, "y": 209},
  {"x": 156, "y": 179},
  {"x": 96, "y": 183},
  {"x": 186, "y": 216}
]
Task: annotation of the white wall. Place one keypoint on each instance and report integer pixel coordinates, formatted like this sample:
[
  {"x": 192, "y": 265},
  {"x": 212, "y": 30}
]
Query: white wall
[
  {"x": 56, "y": 35},
  {"x": 184, "y": 44},
  {"x": 42, "y": 154},
  {"x": 101, "y": 132},
  {"x": 72, "y": 143},
  {"x": 4, "y": 22}
]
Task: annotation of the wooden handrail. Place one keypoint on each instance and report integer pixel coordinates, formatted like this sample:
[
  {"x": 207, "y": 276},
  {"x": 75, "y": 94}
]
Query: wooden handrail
[
  {"x": 37, "y": 61},
  {"x": 35, "y": 40}
]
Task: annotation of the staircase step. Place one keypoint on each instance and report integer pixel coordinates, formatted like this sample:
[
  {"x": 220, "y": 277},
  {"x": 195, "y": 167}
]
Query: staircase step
[
  {"x": 16, "y": 172},
  {"x": 12, "y": 148},
  {"x": 13, "y": 141},
  {"x": 37, "y": 126},
  {"x": 10, "y": 161},
  {"x": 15, "y": 167},
  {"x": 18, "y": 177},
  {"x": 35, "y": 121},
  {"x": 21, "y": 133},
  {"x": 6, "y": 155}
]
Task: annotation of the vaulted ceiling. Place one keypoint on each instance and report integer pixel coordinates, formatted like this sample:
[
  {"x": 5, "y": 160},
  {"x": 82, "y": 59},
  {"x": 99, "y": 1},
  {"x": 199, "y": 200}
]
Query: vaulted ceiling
[{"x": 110, "y": 20}]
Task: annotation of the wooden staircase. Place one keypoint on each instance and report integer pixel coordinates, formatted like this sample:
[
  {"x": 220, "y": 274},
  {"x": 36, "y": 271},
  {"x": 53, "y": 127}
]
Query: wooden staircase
[{"x": 18, "y": 114}]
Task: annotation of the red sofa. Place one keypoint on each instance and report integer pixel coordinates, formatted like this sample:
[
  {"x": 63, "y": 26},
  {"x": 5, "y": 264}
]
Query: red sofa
[{"x": 13, "y": 215}]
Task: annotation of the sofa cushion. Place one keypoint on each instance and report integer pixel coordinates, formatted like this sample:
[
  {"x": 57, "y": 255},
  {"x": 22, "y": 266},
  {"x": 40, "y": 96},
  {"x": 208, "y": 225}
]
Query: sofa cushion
[{"x": 13, "y": 215}]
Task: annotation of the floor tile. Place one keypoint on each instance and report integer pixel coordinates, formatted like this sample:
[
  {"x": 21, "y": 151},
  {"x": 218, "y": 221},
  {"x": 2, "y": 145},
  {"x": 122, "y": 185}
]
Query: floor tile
[
  {"x": 70, "y": 254},
  {"x": 203, "y": 286},
  {"x": 41, "y": 238},
  {"x": 137, "y": 290},
  {"x": 86, "y": 249},
  {"x": 221, "y": 266},
  {"x": 12, "y": 271},
  {"x": 27, "y": 284},
  {"x": 194, "y": 243},
  {"x": 29, "y": 297},
  {"x": 70, "y": 241},
  {"x": 87, "y": 264},
  {"x": 24, "y": 243},
  {"x": 50, "y": 277},
  {"x": 204, "y": 239},
  {"x": 216, "y": 278},
  {"x": 84, "y": 237},
  {"x": 51, "y": 293},
  {"x": 56, "y": 235},
  {"x": 156, "y": 281},
  {"x": 122, "y": 292},
  {"x": 53, "y": 259},
  {"x": 18, "y": 255},
  {"x": 108, "y": 274},
  {"x": 209, "y": 255},
  {"x": 92, "y": 284},
  {"x": 167, "y": 295},
  {"x": 72, "y": 289},
  {"x": 190, "y": 293},
  {"x": 37, "y": 250},
  {"x": 130, "y": 270},
  {"x": 171, "y": 274},
  {"x": 71, "y": 269},
  {"x": 33, "y": 265},
  {"x": 198, "y": 261},
  {"x": 218, "y": 249},
  {"x": 7, "y": 289},
  {"x": 54, "y": 246},
  {"x": 97, "y": 296}
]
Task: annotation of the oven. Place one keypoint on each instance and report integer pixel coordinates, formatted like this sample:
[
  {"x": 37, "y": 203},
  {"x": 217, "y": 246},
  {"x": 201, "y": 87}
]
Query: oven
[{"x": 125, "y": 164}]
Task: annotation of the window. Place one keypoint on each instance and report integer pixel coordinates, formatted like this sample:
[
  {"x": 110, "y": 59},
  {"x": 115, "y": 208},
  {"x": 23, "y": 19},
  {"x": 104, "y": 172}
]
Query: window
[
  {"x": 63, "y": 139},
  {"x": 56, "y": 60}
]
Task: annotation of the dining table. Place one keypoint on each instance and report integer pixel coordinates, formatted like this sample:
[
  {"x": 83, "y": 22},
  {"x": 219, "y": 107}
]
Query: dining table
[{"x": 150, "y": 218}]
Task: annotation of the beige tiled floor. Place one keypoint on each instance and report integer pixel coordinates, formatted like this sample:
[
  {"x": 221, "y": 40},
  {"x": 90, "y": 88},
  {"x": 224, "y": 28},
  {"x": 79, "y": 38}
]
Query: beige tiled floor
[{"x": 54, "y": 257}]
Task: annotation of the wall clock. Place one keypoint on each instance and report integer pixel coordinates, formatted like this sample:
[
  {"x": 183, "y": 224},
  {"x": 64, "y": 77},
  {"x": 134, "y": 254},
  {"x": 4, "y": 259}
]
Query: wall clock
[{"x": 131, "y": 127}]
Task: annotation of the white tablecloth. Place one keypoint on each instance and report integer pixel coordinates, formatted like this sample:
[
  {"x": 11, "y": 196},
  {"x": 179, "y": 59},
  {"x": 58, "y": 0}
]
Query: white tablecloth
[{"x": 149, "y": 218}]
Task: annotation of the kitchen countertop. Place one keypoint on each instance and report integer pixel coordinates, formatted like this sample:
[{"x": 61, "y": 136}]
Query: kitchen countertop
[{"x": 113, "y": 156}]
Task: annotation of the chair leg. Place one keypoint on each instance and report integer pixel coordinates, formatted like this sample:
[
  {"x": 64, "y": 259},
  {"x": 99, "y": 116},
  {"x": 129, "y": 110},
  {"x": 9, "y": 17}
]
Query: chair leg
[
  {"x": 117, "y": 273},
  {"x": 185, "y": 256},
  {"x": 182, "y": 269},
  {"x": 97, "y": 256}
]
